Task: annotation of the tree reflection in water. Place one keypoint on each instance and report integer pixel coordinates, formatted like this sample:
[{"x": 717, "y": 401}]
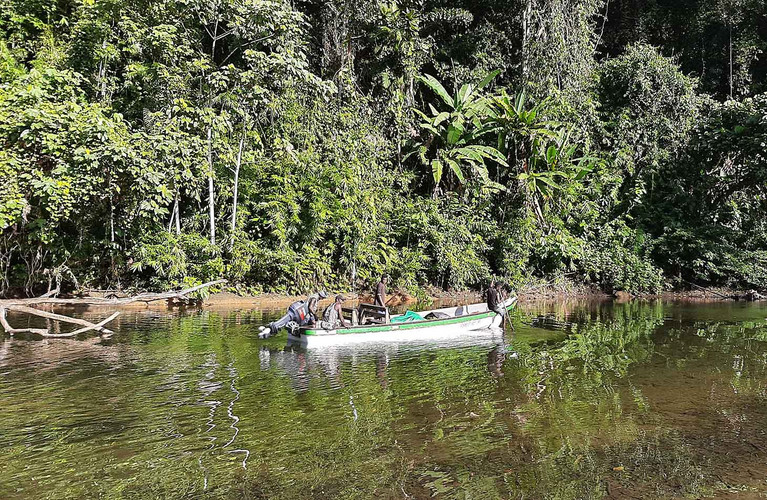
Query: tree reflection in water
[{"x": 650, "y": 400}]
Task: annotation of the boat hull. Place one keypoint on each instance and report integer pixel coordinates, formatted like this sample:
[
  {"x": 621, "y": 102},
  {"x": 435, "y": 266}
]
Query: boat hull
[{"x": 435, "y": 329}]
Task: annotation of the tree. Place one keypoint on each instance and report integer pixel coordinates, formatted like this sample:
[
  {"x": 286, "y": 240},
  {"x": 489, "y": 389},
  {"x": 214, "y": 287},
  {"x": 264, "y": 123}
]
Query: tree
[{"x": 648, "y": 109}]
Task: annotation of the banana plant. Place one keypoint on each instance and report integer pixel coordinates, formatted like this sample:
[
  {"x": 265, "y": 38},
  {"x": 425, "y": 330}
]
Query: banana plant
[
  {"x": 552, "y": 166},
  {"x": 454, "y": 138},
  {"x": 541, "y": 150},
  {"x": 517, "y": 127}
]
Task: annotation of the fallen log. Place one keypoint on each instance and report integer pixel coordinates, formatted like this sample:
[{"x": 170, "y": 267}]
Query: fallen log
[
  {"x": 706, "y": 290},
  {"x": 181, "y": 294},
  {"x": 94, "y": 327},
  {"x": 11, "y": 331},
  {"x": 19, "y": 306},
  {"x": 56, "y": 317}
]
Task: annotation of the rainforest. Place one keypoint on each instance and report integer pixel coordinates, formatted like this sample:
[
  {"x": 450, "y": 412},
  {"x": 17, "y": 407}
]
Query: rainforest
[{"x": 285, "y": 146}]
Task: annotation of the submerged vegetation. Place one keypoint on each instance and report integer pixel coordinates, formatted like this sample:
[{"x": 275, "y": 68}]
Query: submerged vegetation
[{"x": 287, "y": 145}]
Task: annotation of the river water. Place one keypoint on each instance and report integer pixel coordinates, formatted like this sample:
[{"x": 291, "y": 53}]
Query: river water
[{"x": 583, "y": 400}]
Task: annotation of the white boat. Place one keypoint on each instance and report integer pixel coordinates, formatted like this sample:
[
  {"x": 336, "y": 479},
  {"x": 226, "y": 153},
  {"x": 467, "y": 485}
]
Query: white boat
[{"x": 451, "y": 322}]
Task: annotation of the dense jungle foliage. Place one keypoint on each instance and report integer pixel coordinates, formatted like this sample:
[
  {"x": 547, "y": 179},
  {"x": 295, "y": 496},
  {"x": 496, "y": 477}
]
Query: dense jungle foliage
[{"x": 287, "y": 145}]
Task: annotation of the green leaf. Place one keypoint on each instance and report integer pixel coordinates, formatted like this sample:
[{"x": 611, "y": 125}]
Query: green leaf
[
  {"x": 487, "y": 79},
  {"x": 438, "y": 89},
  {"x": 454, "y": 132},
  {"x": 441, "y": 117},
  {"x": 469, "y": 153},
  {"x": 551, "y": 155},
  {"x": 456, "y": 169},
  {"x": 464, "y": 95},
  {"x": 492, "y": 153},
  {"x": 436, "y": 171},
  {"x": 431, "y": 129},
  {"x": 549, "y": 181},
  {"x": 423, "y": 115},
  {"x": 519, "y": 103}
]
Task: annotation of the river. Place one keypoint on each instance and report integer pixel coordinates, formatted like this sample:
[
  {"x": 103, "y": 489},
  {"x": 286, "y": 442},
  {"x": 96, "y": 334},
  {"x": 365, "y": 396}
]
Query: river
[{"x": 582, "y": 400}]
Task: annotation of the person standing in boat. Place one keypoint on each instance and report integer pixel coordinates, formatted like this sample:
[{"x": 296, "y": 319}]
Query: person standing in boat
[
  {"x": 333, "y": 316},
  {"x": 380, "y": 292}
]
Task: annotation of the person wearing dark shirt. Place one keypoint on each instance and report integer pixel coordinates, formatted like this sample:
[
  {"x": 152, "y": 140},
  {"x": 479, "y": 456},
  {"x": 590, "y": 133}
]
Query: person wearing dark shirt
[
  {"x": 492, "y": 297},
  {"x": 380, "y": 294},
  {"x": 495, "y": 298}
]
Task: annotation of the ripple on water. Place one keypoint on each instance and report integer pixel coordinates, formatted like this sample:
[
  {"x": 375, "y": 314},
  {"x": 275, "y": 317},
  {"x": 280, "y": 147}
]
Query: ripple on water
[{"x": 178, "y": 404}]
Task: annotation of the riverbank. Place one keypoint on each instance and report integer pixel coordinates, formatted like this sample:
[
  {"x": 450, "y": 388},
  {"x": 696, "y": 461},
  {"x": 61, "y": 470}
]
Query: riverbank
[{"x": 566, "y": 290}]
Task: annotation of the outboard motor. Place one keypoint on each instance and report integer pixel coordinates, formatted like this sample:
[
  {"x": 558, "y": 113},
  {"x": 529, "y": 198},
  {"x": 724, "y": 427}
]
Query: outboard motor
[{"x": 293, "y": 329}]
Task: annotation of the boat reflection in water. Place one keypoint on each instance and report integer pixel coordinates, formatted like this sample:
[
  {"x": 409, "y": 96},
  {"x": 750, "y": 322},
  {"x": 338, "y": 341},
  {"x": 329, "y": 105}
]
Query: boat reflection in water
[{"x": 303, "y": 364}]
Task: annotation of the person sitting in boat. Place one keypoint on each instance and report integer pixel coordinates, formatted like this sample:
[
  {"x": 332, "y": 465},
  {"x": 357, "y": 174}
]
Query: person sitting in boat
[
  {"x": 333, "y": 316},
  {"x": 494, "y": 300},
  {"x": 301, "y": 312},
  {"x": 380, "y": 292}
]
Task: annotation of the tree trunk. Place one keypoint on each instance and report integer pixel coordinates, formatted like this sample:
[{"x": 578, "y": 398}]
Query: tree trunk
[
  {"x": 730, "y": 43},
  {"x": 178, "y": 216},
  {"x": 172, "y": 216},
  {"x": 175, "y": 216},
  {"x": 236, "y": 186},
  {"x": 111, "y": 220},
  {"x": 525, "y": 35},
  {"x": 103, "y": 72},
  {"x": 211, "y": 191}
]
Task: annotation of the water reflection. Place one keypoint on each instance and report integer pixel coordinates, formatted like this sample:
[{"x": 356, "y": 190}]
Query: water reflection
[{"x": 650, "y": 400}]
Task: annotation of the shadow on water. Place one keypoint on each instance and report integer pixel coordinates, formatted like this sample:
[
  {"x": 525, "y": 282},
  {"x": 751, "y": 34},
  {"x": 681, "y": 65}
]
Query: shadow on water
[{"x": 583, "y": 400}]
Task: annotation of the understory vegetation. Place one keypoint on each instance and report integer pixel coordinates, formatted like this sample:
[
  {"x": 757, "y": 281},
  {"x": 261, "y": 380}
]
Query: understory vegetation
[{"x": 290, "y": 145}]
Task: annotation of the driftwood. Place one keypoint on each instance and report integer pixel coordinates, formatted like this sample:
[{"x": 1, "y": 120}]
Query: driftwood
[
  {"x": 181, "y": 294},
  {"x": 749, "y": 296},
  {"x": 10, "y": 330},
  {"x": 705, "y": 290},
  {"x": 20, "y": 306},
  {"x": 57, "y": 317},
  {"x": 97, "y": 326}
]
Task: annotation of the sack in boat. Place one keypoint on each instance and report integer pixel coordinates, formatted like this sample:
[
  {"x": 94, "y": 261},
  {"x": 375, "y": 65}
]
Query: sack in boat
[{"x": 437, "y": 315}]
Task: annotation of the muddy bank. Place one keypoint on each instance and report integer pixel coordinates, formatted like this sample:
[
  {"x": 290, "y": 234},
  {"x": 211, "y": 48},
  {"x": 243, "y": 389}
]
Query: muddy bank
[
  {"x": 398, "y": 298},
  {"x": 563, "y": 292}
]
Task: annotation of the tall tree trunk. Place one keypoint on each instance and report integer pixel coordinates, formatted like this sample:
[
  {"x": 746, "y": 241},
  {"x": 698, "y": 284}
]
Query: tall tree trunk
[
  {"x": 730, "y": 42},
  {"x": 177, "y": 211},
  {"x": 111, "y": 220},
  {"x": 236, "y": 186},
  {"x": 174, "y": 216},
  {"x": 211, "y": 191},
  {"x": 102, "y": 72},
  {"x": 526, "y": 36}
]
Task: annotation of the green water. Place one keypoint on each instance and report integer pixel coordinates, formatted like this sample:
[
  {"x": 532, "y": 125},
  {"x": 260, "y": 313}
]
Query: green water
[{"x": 584, "y": 400}]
